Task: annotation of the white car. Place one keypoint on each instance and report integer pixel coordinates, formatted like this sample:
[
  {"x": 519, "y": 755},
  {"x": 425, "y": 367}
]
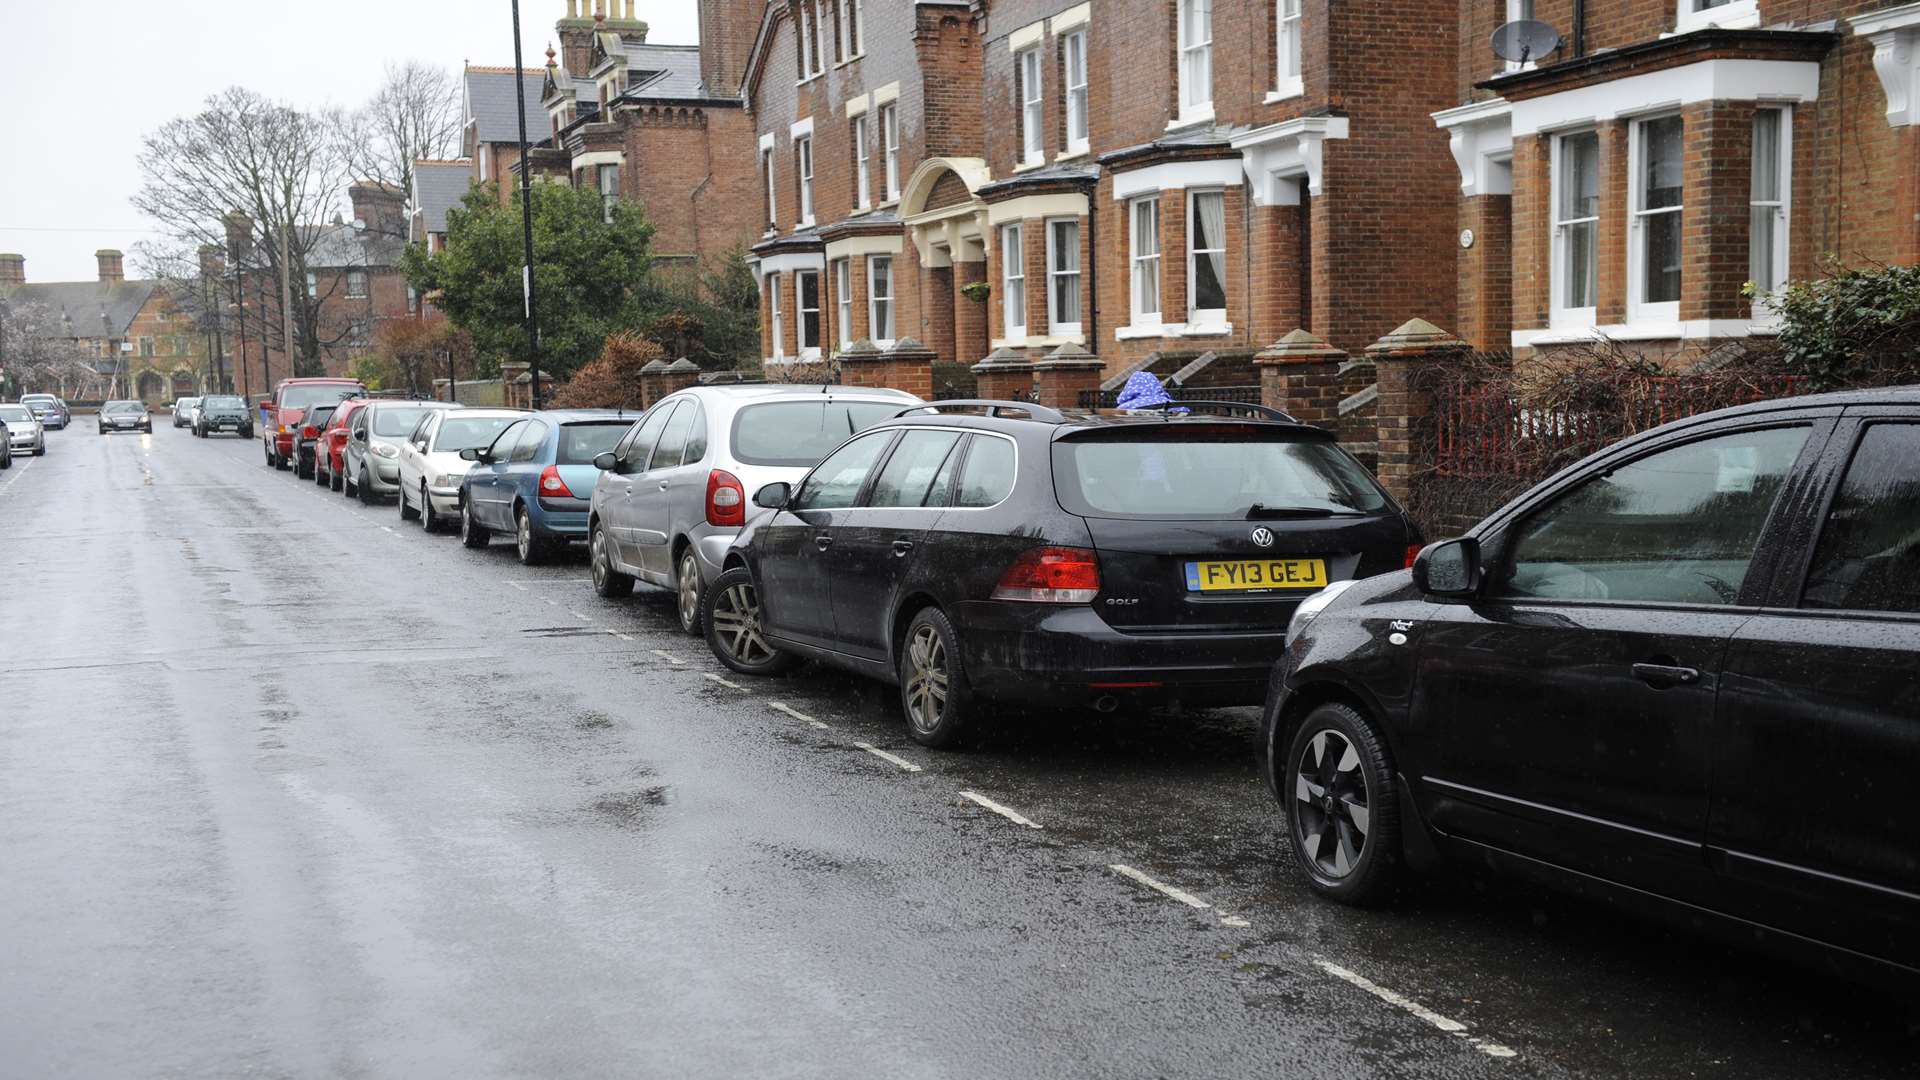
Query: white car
[
  {"x": 186, "y": 411},
  {"x": 430, "y": 462}
]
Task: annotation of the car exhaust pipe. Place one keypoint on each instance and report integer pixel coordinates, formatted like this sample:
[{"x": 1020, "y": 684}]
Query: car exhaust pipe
[{"x": 1106, "y": 703}]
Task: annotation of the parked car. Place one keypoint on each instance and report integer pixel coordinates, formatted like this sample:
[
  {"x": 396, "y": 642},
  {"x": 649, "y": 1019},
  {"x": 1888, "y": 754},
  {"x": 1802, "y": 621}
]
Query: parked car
[
  {"x": 287, "y": 411},
  {"x": 535, "y": 482},
  {"x": 1679, "y": 676},
  {"x": 223, "y": 412},
  {"x": 184, "y": 410},
  {"x": 1029, "y": 555},
  {"x": 306, "y": 438},
  {"x": 431, "y": 465},
  {"x": 329, "y": 468},
  {"x": 24, "y": 432},
  {"x": 6, "y": 445},
  {"x": 371, "y": 460},
  {"x": 52, "y": 411},
  {"x": 673, "y": 495},
  {"x": 125, "y": 416}
]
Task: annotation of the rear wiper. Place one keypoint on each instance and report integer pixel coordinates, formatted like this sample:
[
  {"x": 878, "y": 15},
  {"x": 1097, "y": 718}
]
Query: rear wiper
[{"x": 1259, "y": 512}]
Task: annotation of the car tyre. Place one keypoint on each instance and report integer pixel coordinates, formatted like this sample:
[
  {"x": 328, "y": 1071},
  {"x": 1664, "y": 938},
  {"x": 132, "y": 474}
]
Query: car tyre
[
  {"x": 609, "y": 583},
  {"x": 686, "y": 588},
  {"x": 407, "y": 512},
  {"x": 336, "y": 479},
  {"x": 934, "y": 692},
  {"x": 429, "y": 517},
  {"x": 531, "y": 548},
  {"x": 472, "y": 533},
  {"x": 364, "y": 488},
  {"x": 246, "y": 433},
  {"x": 734, "y": 630},
  {"x": 1343, "y": 816}
]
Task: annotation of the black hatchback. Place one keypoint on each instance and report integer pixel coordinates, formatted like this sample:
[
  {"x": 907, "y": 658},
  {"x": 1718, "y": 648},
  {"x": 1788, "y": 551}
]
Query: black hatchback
[
  {"x": 1682, "y": 675},
  {"x": 1009, "y": 552}
]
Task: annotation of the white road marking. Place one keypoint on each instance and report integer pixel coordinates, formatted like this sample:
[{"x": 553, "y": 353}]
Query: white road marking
[
  {"x": 1006, "y": 812},
  {"x": 577, "y": 615},
  {"x": 20, "y": 467},
  {"x": 517, "y": 585},
  {"x": 672, "y": 659},
  {"x": 621, "y": 636},
  {"x": 884, "y": 756},
  {"x": 388, "y": 528},
  {"x": 721, "y": 681},
  {"x": 1161, "y": 887},
  {"x": 1234, "y": 920},
  {"x": 552, "y": 603},
  {"x": 783, "y": 707},
  {"x": 1451, "y": 1027}
]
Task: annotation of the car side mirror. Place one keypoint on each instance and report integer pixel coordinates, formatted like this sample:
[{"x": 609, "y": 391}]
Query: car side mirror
[
  {"x": 358, "y": 436},
  {"x": 605, "y": 461},
  {"x": 473, "y": 453},
  {"x": 774, "y": 496},
  {"x": 1450, "y": 568}
]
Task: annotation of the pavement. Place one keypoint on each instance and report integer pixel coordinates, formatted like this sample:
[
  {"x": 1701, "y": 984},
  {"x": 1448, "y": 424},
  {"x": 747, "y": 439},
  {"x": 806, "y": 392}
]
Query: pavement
[{"x": 290, "y": 788}]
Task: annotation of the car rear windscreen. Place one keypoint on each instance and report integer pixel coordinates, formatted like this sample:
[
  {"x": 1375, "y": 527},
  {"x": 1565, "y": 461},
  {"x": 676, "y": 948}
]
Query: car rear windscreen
[
  {"x": 581, "y": 443},
  {"x": 395, "y": 422},
  {"x": 799, "y": 433},
  {"x": 466, "y": 432},
  {"x": 305, "y": 397},
  {"x": 1236, "y": 473}
]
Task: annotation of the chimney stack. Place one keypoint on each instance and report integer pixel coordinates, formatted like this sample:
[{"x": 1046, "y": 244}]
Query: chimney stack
[
  {"x": 110, "y": 271},
  {"x": 239, "y": 237},
  {"x": 383, "y": 207},
  {"x": 727, "y": 32},
  {"x": 13, "y": 270}
]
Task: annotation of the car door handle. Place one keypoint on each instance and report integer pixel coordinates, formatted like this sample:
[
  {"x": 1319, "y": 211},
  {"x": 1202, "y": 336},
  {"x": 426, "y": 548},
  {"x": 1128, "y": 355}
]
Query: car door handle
[
  {"x": 1662, "y": 676},
  {"x": 901, "y": 548},
  {"x": 823, "y": 542},
  {"x": 664, "y": 485}
]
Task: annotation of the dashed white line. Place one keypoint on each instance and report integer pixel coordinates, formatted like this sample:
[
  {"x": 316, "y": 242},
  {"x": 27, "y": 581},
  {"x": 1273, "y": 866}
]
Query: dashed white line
[
  {"x": 577, "y": 615},
  {"x": 1234, "y": 921},
  {"x": 1004, "y": 811},
  {"x": 783, "y": 707},
  {"x": 517, "y": 585},
  {"x": 1161, "y": 887},
  {"x": 621, "y": 636},
  {"x": 550, "y": 603},
  {"x": 884, "y": 756},
  {"x": 722, "y": 681},
  {"x": 388, "y": 528},
  {"x": 1450, "y": 1026},
  {"x": 672, "y": 659}
]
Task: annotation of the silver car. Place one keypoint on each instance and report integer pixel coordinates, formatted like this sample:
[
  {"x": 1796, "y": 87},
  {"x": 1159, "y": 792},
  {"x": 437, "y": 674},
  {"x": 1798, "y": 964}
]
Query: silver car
[
  {"x": 185, "y": 411},
  {"x": 675, "y": 491},
  {"x": 25, "y": 433},
  {"x": 371, "y": 460}
]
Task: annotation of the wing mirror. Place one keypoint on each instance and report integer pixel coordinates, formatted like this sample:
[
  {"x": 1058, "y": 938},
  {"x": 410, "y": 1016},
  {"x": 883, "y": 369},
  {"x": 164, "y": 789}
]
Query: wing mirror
[
  {"x": 473, "y": 453},
  {"x": 774, "y": 496},
  {"x": 1450, "y": 568},
  {"x": 605, "y": 461}
]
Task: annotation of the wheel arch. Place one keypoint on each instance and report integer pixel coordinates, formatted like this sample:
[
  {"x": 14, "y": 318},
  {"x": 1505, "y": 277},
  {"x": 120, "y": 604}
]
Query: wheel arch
[{"x": 903, "y": 612}]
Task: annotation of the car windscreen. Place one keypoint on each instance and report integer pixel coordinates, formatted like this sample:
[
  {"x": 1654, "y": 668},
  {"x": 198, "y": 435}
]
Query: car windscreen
[
  {"x": 306, "y": 397},
  {"x": 318, "y": 415},
  {"x": 222, "y": 403},
  {"x": 1229, "y": 472},
  {"x": 16, "y": 414},
  {"x": 123, "y": 407},
  {"x": 581, "y": 443},
  {"x": 394, "y": 422},
  {"x": 466, "y": 432},
  {"x": 799, "y": 433}
]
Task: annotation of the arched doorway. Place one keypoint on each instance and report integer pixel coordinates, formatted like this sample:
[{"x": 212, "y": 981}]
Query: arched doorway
[
  {"x": 151, "y": 387},
  {"x": 948, "y": 225}
]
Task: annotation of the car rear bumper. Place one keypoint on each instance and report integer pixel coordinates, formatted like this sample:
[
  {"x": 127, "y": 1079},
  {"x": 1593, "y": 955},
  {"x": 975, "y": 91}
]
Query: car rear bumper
[
  {"x": 561, "y": 524},
  {"x": 1050, "y": 654}
]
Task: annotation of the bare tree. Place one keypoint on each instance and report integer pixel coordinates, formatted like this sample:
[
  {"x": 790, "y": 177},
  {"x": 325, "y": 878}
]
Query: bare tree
[
  {"x": 415, "y": 114},
  {"x": 38, "y": 354}
]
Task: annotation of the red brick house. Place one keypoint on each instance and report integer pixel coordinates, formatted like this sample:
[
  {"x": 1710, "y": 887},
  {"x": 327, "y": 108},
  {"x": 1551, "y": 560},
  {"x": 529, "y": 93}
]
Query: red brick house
[
  {"x": 1628, "y": 185},
  {"x": 1130, "y": 178}
]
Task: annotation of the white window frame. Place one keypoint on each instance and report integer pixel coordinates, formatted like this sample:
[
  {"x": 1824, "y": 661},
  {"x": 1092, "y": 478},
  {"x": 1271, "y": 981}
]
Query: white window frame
[
  {"x": 875, "y": 299},
  {"x": 364, "y": 287},
  {"x": 1055, "y": 274},
  {"x": 1074, "y": 46},
  {"x": 1638, "y": 309},
  {"x": 890, "y": 146},
  {"x": 1691, "y": 15},
  {"x": 1013, "y": 272},
  {"x": 1149, "y": 261},
  {"x": 820, "y": 31},
  {"x": 1560, "y": 314},
  {"x": 839, "y": 9},
  {"x": 1204, "y": 318},
  {"x": 853, "y": 26},
  {"x": 803, "y": 156},
  {"x": 1288, "y": 51},
  {"x": 1191, "y": 58},
  {"x": 1782, "y": 220},
  {"x": 809, "y": 39},
  {"x": 843, "y": 301},
  {"x": 862, "y": 156},
  {"x": 313, "y": 284},
  {"x": 1030, "y": 86},
  {"x": 773, "y": 193},
  {"x": 773, "y": 311},
  {"x": 607, "y": 198},
  {"x": 800, "y": 310}
]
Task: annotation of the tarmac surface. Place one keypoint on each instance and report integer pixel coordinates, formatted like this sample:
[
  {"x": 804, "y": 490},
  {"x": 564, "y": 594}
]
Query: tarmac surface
[{"x": 290, "y": 788}]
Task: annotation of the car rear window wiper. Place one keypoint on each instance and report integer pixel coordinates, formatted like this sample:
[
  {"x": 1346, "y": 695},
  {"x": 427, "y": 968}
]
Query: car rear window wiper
[{"x": 1258, "y": 512}]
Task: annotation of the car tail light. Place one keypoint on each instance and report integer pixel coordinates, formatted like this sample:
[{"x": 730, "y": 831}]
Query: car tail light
[
  {"x": 552, "y": 486},
  {"x": 726, "y": 499},
  {"x": 1052, "y": 575},
  {"x": 1413, "y": 552},
  {"x": 309, "y": 432}
]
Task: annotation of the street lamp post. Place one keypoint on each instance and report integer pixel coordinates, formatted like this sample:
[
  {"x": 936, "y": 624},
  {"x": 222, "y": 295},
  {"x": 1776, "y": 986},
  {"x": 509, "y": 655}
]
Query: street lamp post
[{"x": 526, "y": 217}]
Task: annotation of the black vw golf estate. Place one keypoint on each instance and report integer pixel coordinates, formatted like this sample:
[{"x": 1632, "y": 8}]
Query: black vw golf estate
[
  {"x": 1010, "y": 552},
  {"x": 1682, "y": 675}
]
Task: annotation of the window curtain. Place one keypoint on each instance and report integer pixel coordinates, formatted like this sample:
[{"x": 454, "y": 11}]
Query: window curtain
[{"x": 1210, "y": 210}]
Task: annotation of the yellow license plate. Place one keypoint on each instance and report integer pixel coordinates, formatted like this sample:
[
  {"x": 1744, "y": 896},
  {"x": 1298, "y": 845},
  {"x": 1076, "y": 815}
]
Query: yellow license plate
[{"x": 1256, "y": 575}]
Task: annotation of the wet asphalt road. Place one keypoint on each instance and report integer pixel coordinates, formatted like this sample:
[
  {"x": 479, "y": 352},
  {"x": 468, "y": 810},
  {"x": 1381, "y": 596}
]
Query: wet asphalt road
[{"x": 289, "y": 788}]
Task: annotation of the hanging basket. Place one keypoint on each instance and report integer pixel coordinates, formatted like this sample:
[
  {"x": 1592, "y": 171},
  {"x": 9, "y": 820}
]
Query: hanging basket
[{"x": 977, "y": 291}]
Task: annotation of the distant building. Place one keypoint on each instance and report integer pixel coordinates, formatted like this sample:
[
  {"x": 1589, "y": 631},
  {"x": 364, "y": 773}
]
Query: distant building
[{"x": 139, "y": 341}]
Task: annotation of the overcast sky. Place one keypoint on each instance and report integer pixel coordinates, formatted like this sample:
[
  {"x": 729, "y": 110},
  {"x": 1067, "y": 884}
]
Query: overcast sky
[{"x": 85, "y": 79}]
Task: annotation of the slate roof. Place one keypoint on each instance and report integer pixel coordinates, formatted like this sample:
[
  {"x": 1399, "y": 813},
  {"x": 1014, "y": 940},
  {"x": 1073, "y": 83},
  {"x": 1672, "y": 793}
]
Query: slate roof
[
  {"x": 679, "y": 68},
  {"x": 437, "y": 187},
  {"x": 489, "y": 104},
  {"x": 83, "y": 301}
]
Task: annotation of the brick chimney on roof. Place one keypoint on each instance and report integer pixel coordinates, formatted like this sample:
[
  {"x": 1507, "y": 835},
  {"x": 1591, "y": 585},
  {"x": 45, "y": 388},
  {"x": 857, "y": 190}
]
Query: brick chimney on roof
[
  {"x": 13, "y": 270},
  {"x": 727, "y": 32},
  {"x": 110, "y": 268}
]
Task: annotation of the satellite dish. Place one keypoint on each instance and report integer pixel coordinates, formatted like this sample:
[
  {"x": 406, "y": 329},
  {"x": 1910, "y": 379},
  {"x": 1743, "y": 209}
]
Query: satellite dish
[{"x": 1525, "y": 39}]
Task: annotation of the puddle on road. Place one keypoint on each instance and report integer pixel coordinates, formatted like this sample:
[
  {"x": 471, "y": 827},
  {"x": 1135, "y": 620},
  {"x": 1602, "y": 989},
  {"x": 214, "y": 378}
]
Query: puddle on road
[{"x": 631, "y": 808}]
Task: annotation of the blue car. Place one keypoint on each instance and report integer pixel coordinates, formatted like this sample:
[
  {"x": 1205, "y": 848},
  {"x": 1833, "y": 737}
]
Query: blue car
[{"x": 535, "y": 482}]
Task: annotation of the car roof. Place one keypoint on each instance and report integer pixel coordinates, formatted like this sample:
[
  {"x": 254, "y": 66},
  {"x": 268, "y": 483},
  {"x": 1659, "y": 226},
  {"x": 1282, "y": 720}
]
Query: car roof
[
  {"x": 413, "y": 403},
  {"x": 493, "y": 413},
  {"x": 1031, "y": 418},
  {"x": 754, "y": 391}
]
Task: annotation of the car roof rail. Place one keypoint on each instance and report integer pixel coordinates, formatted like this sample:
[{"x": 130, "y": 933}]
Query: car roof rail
[
  {"x": 1033, "y": 411},
  {"x": 1263, "y": 412}
]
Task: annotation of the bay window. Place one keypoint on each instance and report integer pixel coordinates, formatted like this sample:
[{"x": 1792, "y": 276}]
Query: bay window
[
  {"x": 1653, "y": 280},
  {"x": 1032, "y": 143},
  {"x": 1143, "y": 243},
  {"x": 1576, "y": 224},
  {"x": 773, "y": 316},
  {"x": 1013, "y": 283},
  {"x": 1075, "y": 47},
  {"x": 1196, "y": 59},
  {"x": 880, "y": 299},
  {"x": 1063, "y": 277},
  {"x": 1207, "y": 258},
  {"x": 1767, "y": 201},
  {"x": 806, "y": 283},
  {"x": 609, "y": 181}
]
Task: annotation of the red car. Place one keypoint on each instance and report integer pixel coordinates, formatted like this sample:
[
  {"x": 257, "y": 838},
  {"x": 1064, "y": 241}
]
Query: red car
[
  {"x": 284, "y": 414},
  {"x": 327, "y": 467}
]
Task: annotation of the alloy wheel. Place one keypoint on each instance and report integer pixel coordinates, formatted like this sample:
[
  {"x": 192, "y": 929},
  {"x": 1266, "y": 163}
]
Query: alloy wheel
[
  {"x": 926, "y": 690},
  {"x": 597, "y": 559},
  {"x": 689, "y": 589},
  {"x": 1331, "y": 804},
  {"x": 736, "y": 621},
  {"x": 523, "y": 535}
]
